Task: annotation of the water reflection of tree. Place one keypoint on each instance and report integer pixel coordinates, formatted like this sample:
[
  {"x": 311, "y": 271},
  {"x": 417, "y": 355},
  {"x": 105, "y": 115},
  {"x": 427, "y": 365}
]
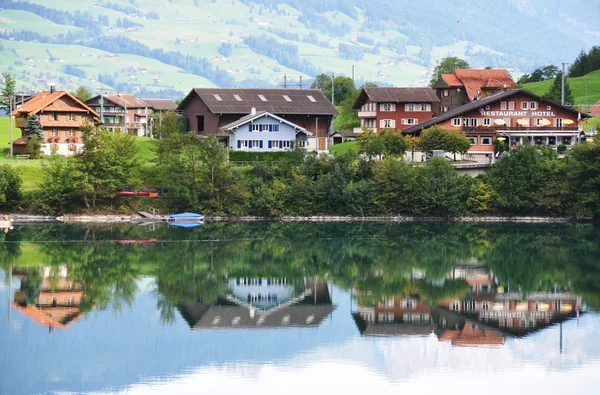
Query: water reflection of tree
[{"x": 377, "y": 255}]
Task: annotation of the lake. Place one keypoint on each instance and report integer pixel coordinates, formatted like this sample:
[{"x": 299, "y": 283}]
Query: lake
[{"x": 298, "y": 308}]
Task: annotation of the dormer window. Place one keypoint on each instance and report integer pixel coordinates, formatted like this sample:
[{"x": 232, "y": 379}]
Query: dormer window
[
  {"x": 217, "y": 97},
  {"x": 287, "y": 98},
  {"x": 312, "y": 99},
  {"x": 237, "y": 97},
  {"x": 261, "y": 97}
]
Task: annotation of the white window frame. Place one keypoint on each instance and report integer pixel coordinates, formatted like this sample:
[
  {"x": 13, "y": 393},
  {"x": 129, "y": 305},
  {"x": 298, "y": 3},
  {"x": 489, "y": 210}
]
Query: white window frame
[
  {"x": 409, "y": 121},
  {"x": 482, "y": 140},
  {"x": 255, "y": 127},
  {"x": 473, "y": 139},
  {"x": 387, "y": 123},
  {"x": 503, "y": 106},
  {"x": 445, "y": 93},
  {"x": 409, "y": 107},
  {"x": 387, "y": 107},
  {"x": 425, "y": 107},
  {"x": 455, "y": 122},
  {"x": 71, "y": 117},
  {"x": 243, "y": 143},
  {"x": 54, "y": 132},
  {"x": 72, "y": 132},
  {"x": 525, "y": 105},
  {"x": 487, "y": 121},
  {"x": 559, "y": 122},
  {"x": 533, "y": 105},
  {"x": 511, "y": 106},
  {"x": 473, "y": 122}
]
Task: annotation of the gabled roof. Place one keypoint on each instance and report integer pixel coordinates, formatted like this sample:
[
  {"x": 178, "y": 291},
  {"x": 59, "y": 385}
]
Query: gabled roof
[
  {"x": 45, "y": 99},
  {"x": 122, "y": 100},
  {"x": 161, "y": 104},
  {"x": 451, "y": 79},
  {"x": 477, "y": 79},
  {"x": 395, "y": 95},
  {"x": 474, "y": 105},
  {"x": 260, "y": 114},
  {"x": 275, "y": 101}
]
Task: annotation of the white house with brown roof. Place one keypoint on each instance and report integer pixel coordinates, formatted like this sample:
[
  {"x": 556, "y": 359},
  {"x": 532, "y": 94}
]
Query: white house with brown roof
[{"x": 207, "y": 110}]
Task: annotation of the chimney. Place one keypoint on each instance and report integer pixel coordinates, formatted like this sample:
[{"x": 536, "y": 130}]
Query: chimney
[
  {"x": 253, "y": 111},
  {"x": 52, "y": 88}
]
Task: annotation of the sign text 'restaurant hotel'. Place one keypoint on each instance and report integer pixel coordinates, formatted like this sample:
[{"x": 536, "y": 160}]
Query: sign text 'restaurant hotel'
[{"x": 517, "y": 113}]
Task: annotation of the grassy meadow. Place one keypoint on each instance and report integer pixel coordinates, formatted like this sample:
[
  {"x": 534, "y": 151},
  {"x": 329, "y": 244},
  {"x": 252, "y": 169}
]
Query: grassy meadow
[{"x": 577, "y": 85}]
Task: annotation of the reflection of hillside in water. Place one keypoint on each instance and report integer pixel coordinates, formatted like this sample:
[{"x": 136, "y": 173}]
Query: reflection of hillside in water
[{"x": 487, "y": 313}]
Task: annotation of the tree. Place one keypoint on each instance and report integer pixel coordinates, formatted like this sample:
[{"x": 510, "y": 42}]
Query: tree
[
  {"x": 34, "y": 147},
  {"x": 82, "y": 94},
  {"x": 447, "y": 66},
  {"x": 583, "y": 173},
  {"x": 438, "y": 138},
  {"x": 540, "y": 74},
  {"x": 344, "y": 87},
  {"x": 554, "y": 93},
  {"x": 370, "y": 144},
  {"x": 33, "y": 128},
  {"x": 109, "y": 162},
  {"x": 10, "y": 187},
  {"x": 6, "y": 91}
]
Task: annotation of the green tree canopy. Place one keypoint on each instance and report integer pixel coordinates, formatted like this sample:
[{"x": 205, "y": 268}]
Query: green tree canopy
[
  {"x": 82, "y": 94},
  {"x": 438, "y": 138},
  {"x": 554, "y": 93},
  {"x": 343, "y": 86},
  {"x": 447, "y": 66},
  {"x": 7, "y": 88},
  {"x": 10, "y": 187}
]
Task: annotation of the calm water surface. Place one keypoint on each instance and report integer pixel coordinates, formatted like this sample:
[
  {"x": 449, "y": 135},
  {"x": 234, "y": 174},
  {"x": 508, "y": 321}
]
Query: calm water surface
[{"x": 300, "y": 308}]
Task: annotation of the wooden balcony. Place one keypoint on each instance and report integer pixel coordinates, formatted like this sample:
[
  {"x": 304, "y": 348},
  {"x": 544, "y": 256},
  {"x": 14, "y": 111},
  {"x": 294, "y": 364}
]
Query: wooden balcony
[{"x": 539, "y": 129}]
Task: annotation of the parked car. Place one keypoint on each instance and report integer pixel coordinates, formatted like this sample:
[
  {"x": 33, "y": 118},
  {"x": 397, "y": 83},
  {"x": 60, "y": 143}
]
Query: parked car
[{"x": 436, "y": 153}]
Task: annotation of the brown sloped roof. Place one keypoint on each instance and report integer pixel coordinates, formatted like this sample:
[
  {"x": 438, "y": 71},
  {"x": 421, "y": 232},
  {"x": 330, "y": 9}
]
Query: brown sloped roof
[
  {"x": 124, "y": 99},
  {"x": 223, "y": 101},
  {"x": 260, "y": 114},
  {"x": 395, "y": 95},
  {"x": 44, "y": 99},
  {"x": 476, "y": 79},
  {"x": 451, "y": 80},
  {"x": 595, "y": 109},
  {"x": 161, "y": 104}
]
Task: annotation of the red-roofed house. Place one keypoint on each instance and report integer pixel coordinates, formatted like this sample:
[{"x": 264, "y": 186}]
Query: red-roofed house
[
  {"x": 61, "y": 115},
  {"x": 467, "y": 85}
]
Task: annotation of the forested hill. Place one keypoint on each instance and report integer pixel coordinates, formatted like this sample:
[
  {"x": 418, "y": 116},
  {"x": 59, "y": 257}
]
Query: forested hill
[{"x": 164, "y": 47}]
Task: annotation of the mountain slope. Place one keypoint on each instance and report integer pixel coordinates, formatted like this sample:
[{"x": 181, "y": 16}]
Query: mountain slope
[
  {"x": 164, "y": 47},
  {"x": 577, "y": 85}
]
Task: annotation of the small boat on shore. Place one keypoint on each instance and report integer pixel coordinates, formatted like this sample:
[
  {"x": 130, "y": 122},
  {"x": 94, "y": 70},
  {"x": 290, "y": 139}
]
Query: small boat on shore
[
  {"x": 183, "y": 217},
  {"x": 186, "y": 220}
]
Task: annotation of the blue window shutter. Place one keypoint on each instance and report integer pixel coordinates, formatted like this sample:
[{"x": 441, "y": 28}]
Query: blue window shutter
[
  {"x": 239, "y": 143},
  {"x": 261, "y": 144},
  {"x": 249, "y": 127},
  {"x": 260, "y": 128},
  {"x": 270, "y": 128},
  {"x": 270, "y": 144},
  {"x": 280, "y": 143}
]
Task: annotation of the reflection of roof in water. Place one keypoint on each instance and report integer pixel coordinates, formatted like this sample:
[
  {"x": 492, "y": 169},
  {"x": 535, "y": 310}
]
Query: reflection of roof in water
[
  {"x": 391, "y": 329},
  {"x": 309, "y": 309},
  {"x": 52, "y": 317}
]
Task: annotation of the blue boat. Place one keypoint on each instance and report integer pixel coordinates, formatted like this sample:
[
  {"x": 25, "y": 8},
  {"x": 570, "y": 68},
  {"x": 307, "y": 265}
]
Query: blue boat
[
  {"x": 186, "y": 217},
  {"x": 188, "y": 224}
]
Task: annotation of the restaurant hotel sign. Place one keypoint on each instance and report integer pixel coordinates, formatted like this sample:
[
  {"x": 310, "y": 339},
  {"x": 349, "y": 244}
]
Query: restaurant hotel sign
[{"x": 517, "y": 113}]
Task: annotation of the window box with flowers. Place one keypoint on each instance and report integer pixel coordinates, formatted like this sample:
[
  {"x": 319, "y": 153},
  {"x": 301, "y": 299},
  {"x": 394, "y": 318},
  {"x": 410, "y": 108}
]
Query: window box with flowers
[{"x": 72, "y": 147}]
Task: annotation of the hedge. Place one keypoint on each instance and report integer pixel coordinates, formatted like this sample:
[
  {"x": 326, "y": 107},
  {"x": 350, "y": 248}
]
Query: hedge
[{"x": 246, "y": 156}]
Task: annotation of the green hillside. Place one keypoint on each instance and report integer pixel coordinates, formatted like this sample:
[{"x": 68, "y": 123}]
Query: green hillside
[
  {"x": 577, "y": 85},
  {"x": 165, "y": 47}
]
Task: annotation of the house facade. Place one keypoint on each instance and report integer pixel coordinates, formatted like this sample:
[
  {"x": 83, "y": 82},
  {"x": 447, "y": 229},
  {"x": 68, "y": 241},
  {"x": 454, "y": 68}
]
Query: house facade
[
  {"x": 262, "y": 131},
  {"x": 61, "y": 115},
  {"x": 515, "y": 115},
  {"x": 466, "y": 85},
  {"x": 208, "y": 110},
  {"x": 122, "y": 112},
  {"x": 394, "y": 108}
]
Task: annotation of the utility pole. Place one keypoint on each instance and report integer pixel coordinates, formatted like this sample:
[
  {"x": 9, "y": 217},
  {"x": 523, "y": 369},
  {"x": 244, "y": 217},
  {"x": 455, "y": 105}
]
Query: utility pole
[
  {"x": 285, "y": 81},
  {"x": 562, "y": 87},
  {"x": 11, "y": 98},
  {"x": 332, "y": 89},
  {"x": 300, "y": 82},
  {"x": 102, "y": 93},
  {"x": 352, "y": 73}
]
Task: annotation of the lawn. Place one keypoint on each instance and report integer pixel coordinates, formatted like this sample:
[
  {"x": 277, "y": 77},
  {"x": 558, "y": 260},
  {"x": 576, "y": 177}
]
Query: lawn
[
  {"x": 32, "y": 171},
  {"x": 343, "y": 147},
  {"x": 577, "y": 85}
]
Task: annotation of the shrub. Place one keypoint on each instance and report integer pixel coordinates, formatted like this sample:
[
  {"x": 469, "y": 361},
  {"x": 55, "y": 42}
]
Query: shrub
[
  {"x": 10, "y": 187},
  {"x": 561, "y": 149},
  {"x": 246, "y": 156}
]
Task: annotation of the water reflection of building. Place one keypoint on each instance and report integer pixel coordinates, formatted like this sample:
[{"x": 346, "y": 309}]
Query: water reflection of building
[
  {"x": 394, "y": 315},
  {"x": 512, "y": 312},
  {"x": 48, "y": 296},
  {"x": 262, "y": 303},
  {"x": 485, "y": 315}
]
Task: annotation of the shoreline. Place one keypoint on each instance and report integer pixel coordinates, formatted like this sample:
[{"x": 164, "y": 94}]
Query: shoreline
[{"x": 72, "y": 218}]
